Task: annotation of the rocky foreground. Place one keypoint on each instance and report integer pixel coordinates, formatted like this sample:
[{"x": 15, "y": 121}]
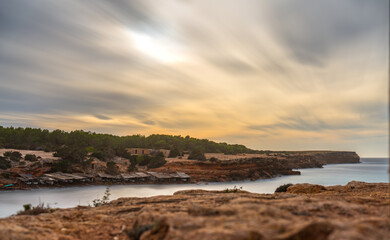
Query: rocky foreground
[{"x": 355, "y": 211}]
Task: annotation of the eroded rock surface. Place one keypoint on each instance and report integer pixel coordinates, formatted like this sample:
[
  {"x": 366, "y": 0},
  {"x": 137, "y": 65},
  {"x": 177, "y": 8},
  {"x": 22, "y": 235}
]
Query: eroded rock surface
[{"x": 354, "y": 211}]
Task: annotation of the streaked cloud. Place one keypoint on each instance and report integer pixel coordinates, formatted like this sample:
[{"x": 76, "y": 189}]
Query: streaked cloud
[{"x": 283, "y": 75}]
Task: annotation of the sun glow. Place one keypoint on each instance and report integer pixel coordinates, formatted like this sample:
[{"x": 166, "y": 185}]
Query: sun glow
[{"x": 157, "y": 48}]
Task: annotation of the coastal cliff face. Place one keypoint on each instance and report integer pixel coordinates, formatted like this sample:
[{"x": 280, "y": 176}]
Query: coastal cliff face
[
  {"x": 355, "y": 211},
  {"x": 254, "y": 166},
  {"x": 336, "y": 157},
  {"x": 230, "y": 170}
]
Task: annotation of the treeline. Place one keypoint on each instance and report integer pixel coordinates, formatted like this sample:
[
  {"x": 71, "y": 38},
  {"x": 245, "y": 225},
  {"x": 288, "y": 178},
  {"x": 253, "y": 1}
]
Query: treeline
[{"x": 107, "y": 145}]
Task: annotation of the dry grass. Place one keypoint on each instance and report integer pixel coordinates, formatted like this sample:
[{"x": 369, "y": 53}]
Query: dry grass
[{"x": 35, "y": 210}]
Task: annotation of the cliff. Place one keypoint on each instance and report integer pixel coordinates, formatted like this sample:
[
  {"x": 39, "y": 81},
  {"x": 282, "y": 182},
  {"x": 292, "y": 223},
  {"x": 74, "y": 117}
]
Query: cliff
[
  {"x": 336, "y": 157},
  {"x": 355, "y": 211},
  {"x": 256, "y": 166},
  {"x": 230, "y": 170}
]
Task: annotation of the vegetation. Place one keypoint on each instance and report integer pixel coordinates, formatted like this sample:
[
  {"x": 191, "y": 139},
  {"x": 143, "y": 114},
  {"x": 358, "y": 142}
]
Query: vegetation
[
  {"x": 87, "y": 163},
  {"x": 157, "y": 161},
  {"x": 35, "y": 138},
  {"x": 30, "y": 157},
  {"x": 75, "y": 147},
  {"x": 13, "y": 155},
  {"x": 213, "y": 159},
  {"x": 28, "y": 209},
  {"x": 61, "y": 166},
  {"x": 233, "y": 190},
  {"x": 174, "y": 153},
  {"x": 197, "y": 155},
  {"x": 112, "y": 168},
  {"x": 71, "y": 154},
  {"x": 4, "y": 163},
  {"x": 104, "y": 154},
  {"x": 143, "y": 160},
  {"x": 104, "y": 200},
  {"x": 133, "y": 164},
  {"x": 283, "y": 188}
]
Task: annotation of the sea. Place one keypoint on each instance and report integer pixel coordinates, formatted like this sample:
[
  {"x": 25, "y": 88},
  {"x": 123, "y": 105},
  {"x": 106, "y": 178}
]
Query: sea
[{"x": 371, "y": 170}]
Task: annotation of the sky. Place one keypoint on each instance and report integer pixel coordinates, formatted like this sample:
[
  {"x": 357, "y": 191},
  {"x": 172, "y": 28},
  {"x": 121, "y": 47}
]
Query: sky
[{"x": 272, "y": 75}]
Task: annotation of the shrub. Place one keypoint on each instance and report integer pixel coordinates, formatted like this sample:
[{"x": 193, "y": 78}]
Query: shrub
[
  {"x": 174, "y": 153},
  {"x": 197, "y": 155},
  {"x": 143, "y": 160},
  {"x": 16, "y": 156},
  {"x": 124, "y": 154},
  {"x": 213, "y": 159},
  {"x": 30, "y": 157},
  {"x": 71, "y": 154},
  {"x": 7, "y": 154},
  {"x": 28, "y": 209},
  {"x": 133, "y": 164},
  {"x": 90, "y": 149},
  {"x": 61, "y": 166},
  {"x": 233, "y": 190},
  {"x": 99, "y": 155},
  {"x": 112, "y": 168},
  {"x": 283, "y": 188},
  {"x": 4, "y": 163},
  {"x": 85, "y": 164},
  {"x": 156, "y": 162},
  {"x": 13, "y": 155},
  {"x": 131, "y": 168},
  {"x": 104, "y": 200}
]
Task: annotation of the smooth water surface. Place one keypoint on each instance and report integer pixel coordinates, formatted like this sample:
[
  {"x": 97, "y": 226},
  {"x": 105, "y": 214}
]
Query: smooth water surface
[{"x": 370, "y": 170}]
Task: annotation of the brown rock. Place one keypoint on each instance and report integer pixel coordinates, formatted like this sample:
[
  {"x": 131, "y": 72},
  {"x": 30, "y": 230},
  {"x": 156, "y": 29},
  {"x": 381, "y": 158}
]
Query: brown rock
[
  {"x": 306, "y": 188},
  {"x": 334, "y": 212}
]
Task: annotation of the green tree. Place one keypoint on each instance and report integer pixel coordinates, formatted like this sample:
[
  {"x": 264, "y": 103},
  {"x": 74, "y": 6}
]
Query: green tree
[
  {"x": 157, "y": 161},
  {"x": 71, "y": 154},
  {"x": 133, "y": 164},
  {"x": 174, "y": 153}
]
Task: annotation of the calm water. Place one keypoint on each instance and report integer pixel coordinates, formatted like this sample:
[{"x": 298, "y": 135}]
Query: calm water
[{"x": 370, "y": 170}]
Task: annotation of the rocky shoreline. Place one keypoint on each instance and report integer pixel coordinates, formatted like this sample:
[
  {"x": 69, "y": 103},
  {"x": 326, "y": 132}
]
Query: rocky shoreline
[
  {"x": 255, "y": 167},
  {"x": 233, "y": 168},
  {"x": 355, "y": 211}
]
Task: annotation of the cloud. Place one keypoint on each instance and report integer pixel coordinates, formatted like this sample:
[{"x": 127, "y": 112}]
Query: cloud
[
  {"x": 286, "y": 71},
  {"x": 314, "y": 30},
  {"x": 102, "y": 117}
]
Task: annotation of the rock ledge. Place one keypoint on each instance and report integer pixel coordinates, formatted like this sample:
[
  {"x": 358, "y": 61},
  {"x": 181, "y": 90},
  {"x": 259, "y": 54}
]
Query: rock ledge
[{"x": 355, "y": 211}]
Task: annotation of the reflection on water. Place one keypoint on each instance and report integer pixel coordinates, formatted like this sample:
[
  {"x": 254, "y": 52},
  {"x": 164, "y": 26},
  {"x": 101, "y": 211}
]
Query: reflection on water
[{"x": 370, "y": 170}]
